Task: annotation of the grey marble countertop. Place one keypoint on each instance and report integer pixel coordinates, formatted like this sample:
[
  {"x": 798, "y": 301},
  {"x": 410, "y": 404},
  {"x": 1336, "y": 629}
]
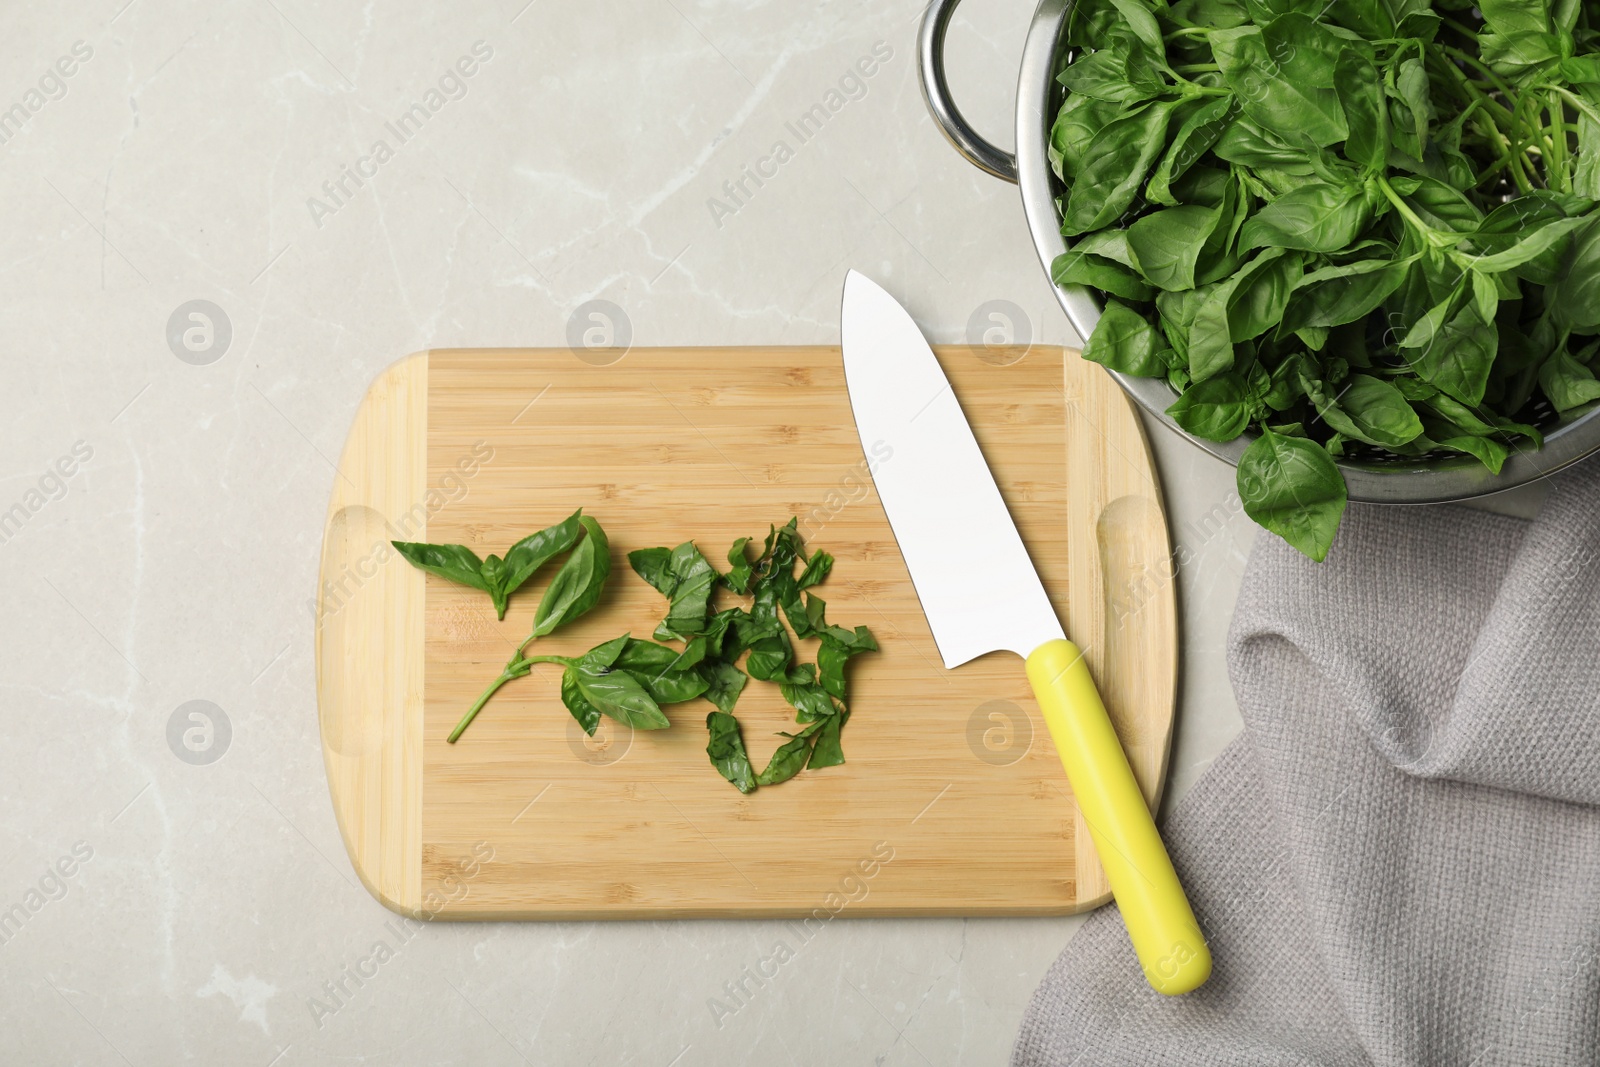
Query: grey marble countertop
[{"x": 173, "y": 475}]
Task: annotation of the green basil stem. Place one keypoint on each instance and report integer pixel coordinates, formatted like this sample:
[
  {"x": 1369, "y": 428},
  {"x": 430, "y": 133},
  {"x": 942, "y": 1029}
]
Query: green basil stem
[
  {"x": 1528, "y": 140},
  {"x": 1576, "y": 101},
  {"x": 1507, "y": 129},
  {"x": 517, "y": 667},
  {"x": 1482, "y": 68},
  {"x": 1429, "y": 234},
  {"x": 1505, "y": 122},
  {"x": 1472, "y": 89},
  {"x": 1561, "y": 161}
]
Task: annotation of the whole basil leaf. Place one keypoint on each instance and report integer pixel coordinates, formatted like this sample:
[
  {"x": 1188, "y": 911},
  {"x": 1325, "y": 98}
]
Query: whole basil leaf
[
  {"x": 619, "y": 694},
  {"x": 1291, "y": 486},
  {"x": 1580, "y": 70},
  {"x": 1123, "y": 340},
  {"x": 1316, "y": 217},
  {"x": 587, "y": 714},
  {"x": 1370, "y": 409},
  {"x": 1491, "y": 453},
  {"x": 1210, "y": 14},
  {"x": 1511, "y": 221},
  {"x": 1241, "y": 308},
  {"x": 1111, "y": 177},
  {"x": 1533, "y": 243},
  {"x": 1196, "y": 134},
  {"x": 1137, "y": 15},
  {"x": 1426, "y": 329},
  {"x": 1568, "y": 383},
  {"x": 726, "y": 749},
  {"x": 1486, "y": 293},
  {"x": 1075, "y": 130},
  {"x": 1440, "y": 206},
  {"x": 1175, "y": 313},
  {"x": 1522, "y": 55},
  {"x": 1216, "y": 409},
  {"x": 1121, "y": 74},
  {"x": 604, "y": 655},
  {"x": 1564, "y": 15},
  {"x": 578, "y": 584},
  {"x": 1210, "y": 343},
  {"x": 1522, "y": 221},
  {"x": 1109, "y": 244},
  {"x": 493, "y": 572},
  {"x": 657, "y": 668},
  {"x": 1283, "y": 74},
  {"x": 1076, "y": 267},
  {"x": 1366, "y": 113},
  {"x": 1166, "y": 244},
  {"x": 1463, "y": 419},
  {"x": 1586, "y": 166},
  {"x": 1343, "y": 293},
  {"x": 1457, "y": 355},
  {"x": 456, "y": 562},
  {"x": 1247, "y": 144},
  {"x": 1090, "y": 24},
  {"x": 671, "y": 687},
  {"x": 1416, "y": 21},
  {"x": 1516, "y": 16},
  {"x": 1369, "y": 18},
  {"x": 1262, "y": 293},
  {"x": 1577, "y": 297},
  {"x": 529, "y": 554},
  {"x": 1413, "y": 112}
]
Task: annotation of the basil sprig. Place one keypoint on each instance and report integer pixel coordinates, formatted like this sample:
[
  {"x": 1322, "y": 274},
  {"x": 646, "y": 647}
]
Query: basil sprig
[
  {"x": 496, "y": 576},
  {"x": 1359, "y": 229},
  {"x": 574, "y": 590},
  {"x": 629, "y": 679}
]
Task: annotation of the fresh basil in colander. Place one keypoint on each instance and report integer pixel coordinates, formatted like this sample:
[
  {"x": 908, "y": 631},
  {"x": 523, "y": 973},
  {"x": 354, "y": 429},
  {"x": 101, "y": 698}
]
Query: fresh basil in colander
[{"x": 1352, "y": 228}]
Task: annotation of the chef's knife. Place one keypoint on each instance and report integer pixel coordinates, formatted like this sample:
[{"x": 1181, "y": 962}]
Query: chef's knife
[{"x": 981, "y": 594}]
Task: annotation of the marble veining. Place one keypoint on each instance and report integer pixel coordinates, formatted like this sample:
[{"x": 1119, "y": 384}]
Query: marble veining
[{"x": 193, "y": 314}]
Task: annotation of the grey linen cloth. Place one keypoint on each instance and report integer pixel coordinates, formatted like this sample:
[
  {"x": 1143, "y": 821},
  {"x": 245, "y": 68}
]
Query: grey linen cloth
[{"x": 1398, "y": 861}]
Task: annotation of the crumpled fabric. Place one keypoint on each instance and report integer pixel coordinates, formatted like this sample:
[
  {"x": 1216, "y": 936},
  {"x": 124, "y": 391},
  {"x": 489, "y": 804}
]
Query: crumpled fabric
[{"x": 1398, "y": 860}]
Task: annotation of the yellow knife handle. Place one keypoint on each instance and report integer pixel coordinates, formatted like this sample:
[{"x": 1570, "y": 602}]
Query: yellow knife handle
[{"x": 1160, "y": 923}]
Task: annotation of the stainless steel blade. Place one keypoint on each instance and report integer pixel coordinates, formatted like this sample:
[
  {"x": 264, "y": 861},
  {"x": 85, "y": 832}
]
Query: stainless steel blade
[{"x": 970, "y": 568}]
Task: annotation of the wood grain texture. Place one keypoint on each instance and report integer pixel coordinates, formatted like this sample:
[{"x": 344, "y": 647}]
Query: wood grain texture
[
  {"x": 952, "y": 801},
  {"x": 369, "y": 633}
]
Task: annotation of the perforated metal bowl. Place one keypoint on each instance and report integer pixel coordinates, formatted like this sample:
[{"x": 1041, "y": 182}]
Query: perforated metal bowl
[{"x": 1391, "y": 480}]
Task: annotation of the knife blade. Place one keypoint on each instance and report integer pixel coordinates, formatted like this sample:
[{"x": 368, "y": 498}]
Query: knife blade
[
  {"x": 981, "y": 593},
  {"x": 937, "y": 490}
]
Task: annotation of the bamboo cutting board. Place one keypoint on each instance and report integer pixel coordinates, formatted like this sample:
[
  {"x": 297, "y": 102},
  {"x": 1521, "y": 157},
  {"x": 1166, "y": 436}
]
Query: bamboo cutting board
[{"x": 952, "y": 801}]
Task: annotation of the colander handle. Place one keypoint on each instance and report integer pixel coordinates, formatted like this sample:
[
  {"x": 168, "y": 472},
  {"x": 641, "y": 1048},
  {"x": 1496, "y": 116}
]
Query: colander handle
[{"x": 936, "y": 92}]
